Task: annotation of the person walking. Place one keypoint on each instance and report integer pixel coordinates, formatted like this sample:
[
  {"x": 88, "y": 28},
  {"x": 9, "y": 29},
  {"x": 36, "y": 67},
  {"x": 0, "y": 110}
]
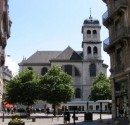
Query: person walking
[
  {"x": 28, "y": 113},
  {"x": 66, "y": 117}
]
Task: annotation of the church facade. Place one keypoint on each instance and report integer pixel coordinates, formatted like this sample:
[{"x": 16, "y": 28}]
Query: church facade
[{"x": 83, "y": 65}]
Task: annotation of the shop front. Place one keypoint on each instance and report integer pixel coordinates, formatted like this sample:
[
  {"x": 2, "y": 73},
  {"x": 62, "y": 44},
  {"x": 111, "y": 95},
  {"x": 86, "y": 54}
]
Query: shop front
[{"x": 121, "y": 98}]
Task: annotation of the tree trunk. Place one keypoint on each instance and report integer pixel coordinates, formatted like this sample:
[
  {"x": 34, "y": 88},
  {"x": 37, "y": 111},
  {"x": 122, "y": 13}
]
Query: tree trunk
[{"x": 54, "y": 109}]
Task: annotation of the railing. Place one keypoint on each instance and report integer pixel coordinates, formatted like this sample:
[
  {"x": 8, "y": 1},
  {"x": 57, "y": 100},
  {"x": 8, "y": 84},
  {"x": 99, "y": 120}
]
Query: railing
[
  {"x": 105, "y": 16},
  {"x": 119, "y": 33},
  {"x": 106, "y": 43},
  {"x": 115, "y": 36},
  {"x": 113, "y": 7}
]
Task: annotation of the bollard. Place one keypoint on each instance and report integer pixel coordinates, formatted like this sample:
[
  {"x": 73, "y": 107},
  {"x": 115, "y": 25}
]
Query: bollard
[
  {"x": 33, "y": 119},
  {"x": 3, "y": 117}
]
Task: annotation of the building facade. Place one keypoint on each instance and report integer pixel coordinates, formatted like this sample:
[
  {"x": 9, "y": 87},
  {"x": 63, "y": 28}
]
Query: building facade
[
  {"x": 117, "y": 20},
  {"x": 5, "y": 25},
  {"x": 83, "y": 65}
]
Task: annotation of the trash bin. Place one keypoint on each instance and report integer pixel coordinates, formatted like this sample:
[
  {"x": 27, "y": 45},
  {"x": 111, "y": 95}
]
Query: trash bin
[
  {"x": 88, "y": 116},
  {"x": 33, "y": 119}
]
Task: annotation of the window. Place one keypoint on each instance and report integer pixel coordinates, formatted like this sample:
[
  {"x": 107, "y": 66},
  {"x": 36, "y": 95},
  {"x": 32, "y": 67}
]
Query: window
[
  {"x": 43, "y": 71},
  {"x": 119, "y": 56},
  {"x": 89, "y": 50},
  {"x": 97, "y": 107},
  {"x": 68, "y": 69},
  {"x": 119, "y": 61},
  {"x": 92, "y": 68},
  {"x": 88, "y": 34},
  {"x": 95, "y": 51},
  {"x": 117, "y": 25},
  {"x": 76, "y": 72},
  {"x": 94, "y": 34},
  {"x": 78, "y": 93},
  {"x": 30, "y": 68},
  {"x": 71, "y": 70},
  {"x": 90, "y": 107}
]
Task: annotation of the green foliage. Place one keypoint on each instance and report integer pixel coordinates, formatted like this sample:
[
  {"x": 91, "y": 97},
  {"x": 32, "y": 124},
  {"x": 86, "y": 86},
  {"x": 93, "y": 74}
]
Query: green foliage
[
  {"x": 101, "y": 89},
  {"x": 101, "y": 77},
  {"x": 56, "y": 86},
  {"x": 22, "y": 89},
  {"x": 15, "y": 120}
]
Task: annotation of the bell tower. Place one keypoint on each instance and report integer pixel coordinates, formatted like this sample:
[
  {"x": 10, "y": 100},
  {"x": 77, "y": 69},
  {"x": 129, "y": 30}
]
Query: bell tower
[{"x": 91, "y": 43}]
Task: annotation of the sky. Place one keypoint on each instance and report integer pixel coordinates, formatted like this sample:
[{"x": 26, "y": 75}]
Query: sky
[{"x": 39, "y": 25}]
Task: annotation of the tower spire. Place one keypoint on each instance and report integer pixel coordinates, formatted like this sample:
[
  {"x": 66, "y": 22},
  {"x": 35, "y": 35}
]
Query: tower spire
[{"x": 90, "y": 15}]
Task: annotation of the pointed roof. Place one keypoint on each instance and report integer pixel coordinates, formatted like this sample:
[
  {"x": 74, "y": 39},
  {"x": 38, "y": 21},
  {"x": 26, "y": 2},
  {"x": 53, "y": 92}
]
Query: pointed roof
[{"x": 68, "y": 54}]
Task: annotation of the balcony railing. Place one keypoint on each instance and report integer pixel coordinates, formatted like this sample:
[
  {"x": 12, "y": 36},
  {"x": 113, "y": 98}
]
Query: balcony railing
[
  {"x": 114, "y": 7},
  {"x": 116, "y": 35},
  {"x": 106, "y": 43},
  {"x": 119, "y": 33}
]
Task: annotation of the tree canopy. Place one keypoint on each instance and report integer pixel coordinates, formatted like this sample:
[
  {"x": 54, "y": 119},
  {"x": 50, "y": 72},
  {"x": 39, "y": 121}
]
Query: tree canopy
[
  {"x": 101, "y": 89},
  {"x": 22, "y": 89},
  {"x": 56, "y": 86}
]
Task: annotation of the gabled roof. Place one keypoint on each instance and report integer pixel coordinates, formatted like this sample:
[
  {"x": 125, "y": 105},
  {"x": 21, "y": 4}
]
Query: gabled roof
[
  {"x": 44, "y": 57},
  {"x": 68, "y": 54},
  {"x": 41, "y": 57}
]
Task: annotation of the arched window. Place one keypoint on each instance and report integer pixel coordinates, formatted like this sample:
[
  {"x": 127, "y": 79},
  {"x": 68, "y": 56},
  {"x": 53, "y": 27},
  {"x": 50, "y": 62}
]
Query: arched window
[
  {"x": 88, "y": 33},
  {"x": 94, "y": 34},
  {"x": 68, "y": 69},
  {"x": 92, "y": 69},
  {"x": 95, "y": 50},
  {"x": 78, "y": 93},
  {"x": 89, "y": 50},
  {"x": 30, "y": 68},
  {"x": 71, "y": 70},
  {"x": 44, "y": 70},
  {"x": 76, "y": 72}
]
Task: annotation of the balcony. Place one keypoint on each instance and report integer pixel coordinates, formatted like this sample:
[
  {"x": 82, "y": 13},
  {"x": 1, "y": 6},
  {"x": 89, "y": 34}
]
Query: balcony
[
  {"x": 113, "y": 9},
  {"x": 106, "y": 43},
  {"x": 120, "y": 34}
]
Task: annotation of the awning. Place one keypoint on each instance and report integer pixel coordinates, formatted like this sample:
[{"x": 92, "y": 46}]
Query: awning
[{"x": 7, "y": 105}]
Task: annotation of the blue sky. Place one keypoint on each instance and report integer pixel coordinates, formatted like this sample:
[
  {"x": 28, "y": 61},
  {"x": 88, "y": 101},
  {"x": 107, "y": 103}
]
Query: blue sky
[{"x": 49, "y": 25}]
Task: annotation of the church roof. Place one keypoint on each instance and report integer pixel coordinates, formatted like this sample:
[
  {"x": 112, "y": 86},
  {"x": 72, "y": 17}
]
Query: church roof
[
  {"x": 44, "y": 57},
  {"x": 41, "y": 57},
  {"x": 91, "y": 21},
  {"x": 104, "y": 1},
  {"x": 68, "y": 54}
]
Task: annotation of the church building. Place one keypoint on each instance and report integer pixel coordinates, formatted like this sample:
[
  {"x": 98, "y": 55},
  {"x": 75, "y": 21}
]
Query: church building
[{"x": 83, "y": 65}]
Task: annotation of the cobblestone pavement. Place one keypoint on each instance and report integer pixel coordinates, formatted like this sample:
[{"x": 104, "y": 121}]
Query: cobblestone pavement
[{"x": 59, "y": 121}]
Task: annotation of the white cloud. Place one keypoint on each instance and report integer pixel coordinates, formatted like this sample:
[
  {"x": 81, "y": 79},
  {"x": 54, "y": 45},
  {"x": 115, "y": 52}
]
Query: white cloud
[{"x": 12, "y": 65}]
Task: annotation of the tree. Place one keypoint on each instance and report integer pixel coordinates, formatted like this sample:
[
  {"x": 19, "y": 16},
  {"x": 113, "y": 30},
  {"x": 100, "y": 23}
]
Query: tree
[
  {"x": 22, "y": 89},
  {"x": 101, "y": 89},
  {"x": 56, "y": 86}
]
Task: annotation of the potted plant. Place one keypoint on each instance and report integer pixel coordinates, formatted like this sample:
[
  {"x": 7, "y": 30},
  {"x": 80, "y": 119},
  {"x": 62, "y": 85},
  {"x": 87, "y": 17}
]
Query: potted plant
[{"x": 15, "y": 120}]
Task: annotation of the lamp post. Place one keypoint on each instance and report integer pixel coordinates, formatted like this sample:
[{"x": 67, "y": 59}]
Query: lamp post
[{"x": 100, "y": 110}]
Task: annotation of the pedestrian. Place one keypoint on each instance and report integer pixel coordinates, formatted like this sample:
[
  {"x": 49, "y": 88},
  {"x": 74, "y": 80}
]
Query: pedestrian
[
  {"x": 47, "y": 110},
  {"x": 66, "y": 117},
  {"x": 28, "y": 113}
]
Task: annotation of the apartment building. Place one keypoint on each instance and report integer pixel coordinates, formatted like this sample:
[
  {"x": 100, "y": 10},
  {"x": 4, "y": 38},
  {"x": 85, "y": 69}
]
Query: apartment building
[
  {"x": 5, "y": 25},
  {"x": 117, "y": 20}
]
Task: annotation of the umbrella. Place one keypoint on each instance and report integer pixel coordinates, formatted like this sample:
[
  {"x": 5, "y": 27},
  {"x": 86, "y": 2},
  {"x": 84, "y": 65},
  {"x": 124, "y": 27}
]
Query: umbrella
[{"x": 8, "y": 105}]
